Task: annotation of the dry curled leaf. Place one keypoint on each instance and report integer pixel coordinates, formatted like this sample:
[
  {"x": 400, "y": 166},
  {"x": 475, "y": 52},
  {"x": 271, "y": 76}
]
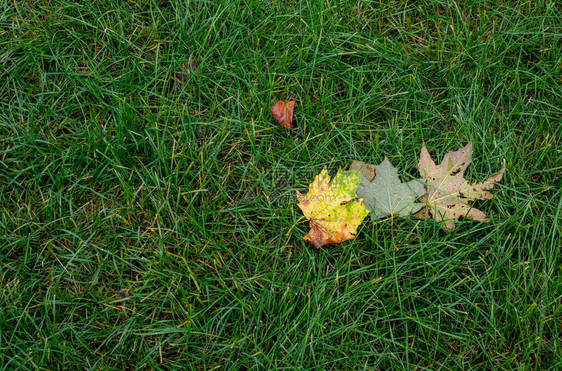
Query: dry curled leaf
[
  {"x": 448, "y": 192},
  {"x": 332, "y": 207},
  {"x": 283, "y": 113}
]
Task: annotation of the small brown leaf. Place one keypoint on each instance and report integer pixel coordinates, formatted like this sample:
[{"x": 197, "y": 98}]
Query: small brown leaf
[
  {"x": 367, "y": 170},
  {"x": 283, "y": 113}
]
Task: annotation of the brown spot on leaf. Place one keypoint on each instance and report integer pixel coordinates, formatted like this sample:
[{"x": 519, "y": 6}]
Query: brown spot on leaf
[{"x": 456, "y": 171}]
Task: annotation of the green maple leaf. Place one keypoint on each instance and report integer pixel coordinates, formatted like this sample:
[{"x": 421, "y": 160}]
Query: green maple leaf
[{"x": 387, "y": 195}]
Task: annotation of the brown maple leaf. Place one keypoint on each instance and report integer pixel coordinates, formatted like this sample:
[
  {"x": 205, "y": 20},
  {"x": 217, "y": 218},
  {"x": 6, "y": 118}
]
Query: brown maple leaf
[
  {"x": 447, "y": 190},
  {"x": 283, "y": 113}
]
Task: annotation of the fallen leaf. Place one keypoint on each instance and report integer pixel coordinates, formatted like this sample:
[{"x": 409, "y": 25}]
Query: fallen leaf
[
  {"x": 367, "y": 170},
  {"x": 387, "y": 195},
  {"x": 283, "y": 113},
  {"x": 332, "y": 208},
  {"x": 447, "y": 190}
]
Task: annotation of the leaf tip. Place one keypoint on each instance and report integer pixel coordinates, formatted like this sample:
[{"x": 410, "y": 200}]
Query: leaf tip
[{"x": 498, "y": 176}]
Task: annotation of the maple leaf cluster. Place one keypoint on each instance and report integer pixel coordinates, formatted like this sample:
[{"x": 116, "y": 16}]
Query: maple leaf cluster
[{"x": 336, "y": 207}]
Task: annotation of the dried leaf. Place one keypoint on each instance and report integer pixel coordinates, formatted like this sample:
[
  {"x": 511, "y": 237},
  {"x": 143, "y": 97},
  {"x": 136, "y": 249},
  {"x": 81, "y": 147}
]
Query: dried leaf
[
  {"x": 332, "y": 208},
  {"x": 447, "y": 190},
  {"x": 283, "y": 113},
  {"x": 367, "y": 170},
  {"x": 387, "y": 195}
]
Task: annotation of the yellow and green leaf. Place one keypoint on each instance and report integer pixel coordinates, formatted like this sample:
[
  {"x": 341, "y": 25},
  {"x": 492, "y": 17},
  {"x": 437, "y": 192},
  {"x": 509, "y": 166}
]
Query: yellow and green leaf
[{"x": 332, "y": 207}]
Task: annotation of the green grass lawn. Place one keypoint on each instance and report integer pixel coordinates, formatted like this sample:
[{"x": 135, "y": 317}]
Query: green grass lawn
[{"x": 147, "y": 223}]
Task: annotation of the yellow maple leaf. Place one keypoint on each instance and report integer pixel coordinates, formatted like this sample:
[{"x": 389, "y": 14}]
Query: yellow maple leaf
[{"x": 332, "y": 207}]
